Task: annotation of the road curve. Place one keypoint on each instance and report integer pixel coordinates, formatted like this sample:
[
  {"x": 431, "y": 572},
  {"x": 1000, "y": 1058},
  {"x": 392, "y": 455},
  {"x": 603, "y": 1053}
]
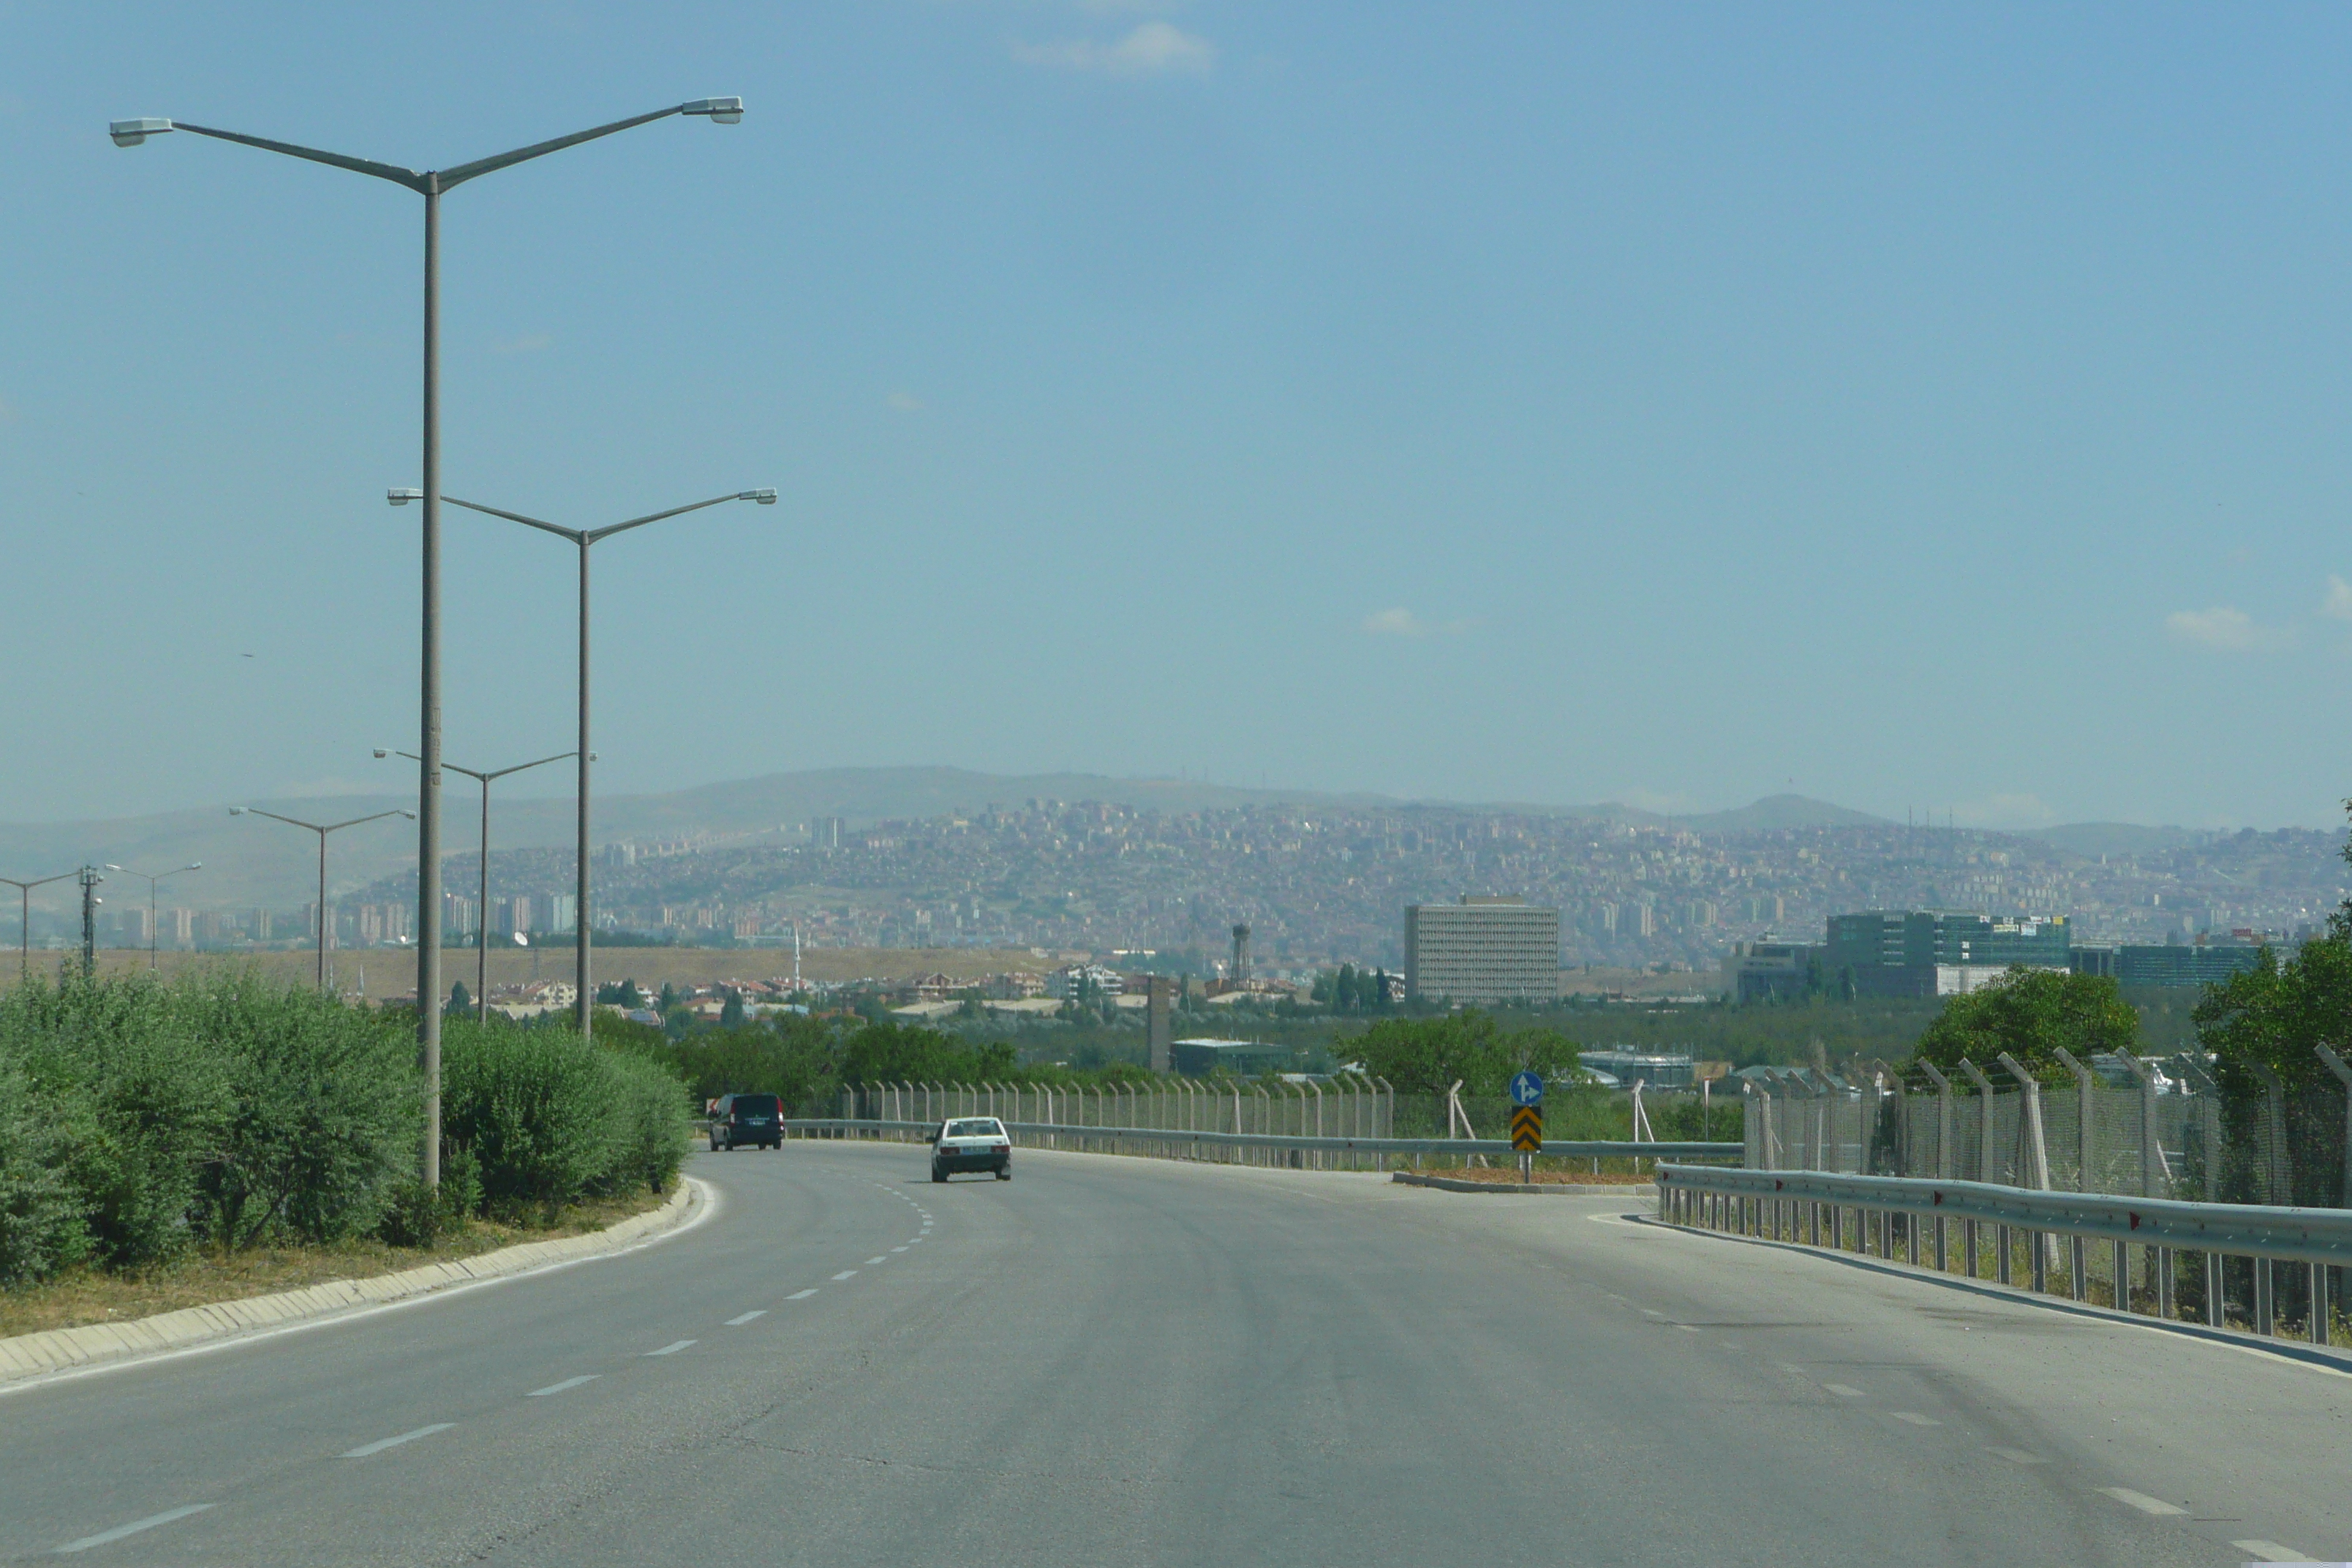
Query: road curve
[{"x": 1113, "y": 1361}]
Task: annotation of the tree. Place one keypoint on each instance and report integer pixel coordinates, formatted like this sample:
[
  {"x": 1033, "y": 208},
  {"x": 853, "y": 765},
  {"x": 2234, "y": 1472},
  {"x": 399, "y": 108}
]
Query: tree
[
  {"x": 730, "y": 1013},
  {"x": 2030, "y": 1014},
  {"x": 1427, "y": 1056},
  {"x": 461, "y": 1002}
]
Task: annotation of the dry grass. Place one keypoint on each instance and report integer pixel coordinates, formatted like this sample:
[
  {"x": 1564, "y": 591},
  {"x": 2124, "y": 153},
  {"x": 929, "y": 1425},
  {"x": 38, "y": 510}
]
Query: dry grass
[
  {"x": 1507, "y": 1174},
  {"x": 89, "y": 1295}
]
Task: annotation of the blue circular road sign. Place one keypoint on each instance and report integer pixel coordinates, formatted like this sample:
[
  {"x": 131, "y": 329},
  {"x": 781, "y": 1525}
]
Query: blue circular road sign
[{"x": 1527, "y": 1086}]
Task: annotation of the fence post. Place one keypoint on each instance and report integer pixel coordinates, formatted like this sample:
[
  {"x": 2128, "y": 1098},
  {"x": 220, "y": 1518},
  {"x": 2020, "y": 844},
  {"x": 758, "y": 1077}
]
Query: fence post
[
  {"x": 2085, "y": 1122},
  {"x": 2036, "y": 1151},
  {"x": 1984, "y": 1117},
  {"x": 2278, "y": 1177}
]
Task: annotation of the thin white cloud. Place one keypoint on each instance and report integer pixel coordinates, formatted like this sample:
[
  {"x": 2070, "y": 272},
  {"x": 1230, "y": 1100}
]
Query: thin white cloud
[
  {"x": 2224, "y": 628},
  {"x": 905, "y": 402},
  {"x": 1396, "y": 623},
  {"x": 1153, "y": 48},
  {"x": 1663, "y": 803},
  {"x": 2339, "y": 602},
  {"x": 529, "y": 343}
]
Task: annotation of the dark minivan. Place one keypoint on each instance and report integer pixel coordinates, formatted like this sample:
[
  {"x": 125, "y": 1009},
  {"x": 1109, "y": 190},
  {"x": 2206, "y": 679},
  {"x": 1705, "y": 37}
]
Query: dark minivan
[{"x": 754, "y": 1118}]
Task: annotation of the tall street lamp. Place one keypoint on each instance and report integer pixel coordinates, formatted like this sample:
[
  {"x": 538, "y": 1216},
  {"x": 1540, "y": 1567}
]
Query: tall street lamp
[
  {"x": 430, "y": 183},
  {"x": 584, "y": 538},
  {"x": 482, "y": 914},
  {"x": 193, "y": 866},
  {"x": 24, "y": 918},
  {"x": 326, "y": 920}
]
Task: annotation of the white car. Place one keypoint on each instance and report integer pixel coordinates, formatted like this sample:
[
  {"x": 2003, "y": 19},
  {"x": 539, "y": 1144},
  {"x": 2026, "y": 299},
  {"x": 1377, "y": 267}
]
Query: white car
[{"x": 970, "y": 1143}]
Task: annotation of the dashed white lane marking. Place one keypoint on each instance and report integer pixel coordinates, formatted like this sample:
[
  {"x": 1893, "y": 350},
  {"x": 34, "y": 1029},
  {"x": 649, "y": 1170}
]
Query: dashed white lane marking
[
  {"x": 380, "y": 1444},
  {"x": 568, "y": 1383},
  {"x": 898, "y": 1249},
  {"x": 2142, "y": 1501},
  {"x": 1844, "y": 1391},
  {"x": 2016, "y": 1455},
  {"x": 672, "y": 1348},
  {"x": 738, "y": 1322},
  {"x": 1687, "y": 1328},
  {"x": 1914, "y": 1417},
  {"x": 802, "y": 1295},
  {"x": 872, "y": 1261},
  {"x": 2271, "y": 1551},
  {"x": 1652, "y": 1312},
  {"x": 847, "y": 1274},
  {"x": 133, "y": 1528}
]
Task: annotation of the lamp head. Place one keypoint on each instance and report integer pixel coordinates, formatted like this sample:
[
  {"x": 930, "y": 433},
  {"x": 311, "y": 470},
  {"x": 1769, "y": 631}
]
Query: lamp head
[
  {"x": 194, "y": 866},
  {"x": 410, "y": 815},
  {"x": 382, "y": 753},
  {"x": 112, "y": 866},
  {"x": 236, "y": 811},
  {"x": 402, "y": 497},
  {"x": 765, "y": 497},
  {"x": 721, "y": 111},
  {"x": 130, "y": 133}
]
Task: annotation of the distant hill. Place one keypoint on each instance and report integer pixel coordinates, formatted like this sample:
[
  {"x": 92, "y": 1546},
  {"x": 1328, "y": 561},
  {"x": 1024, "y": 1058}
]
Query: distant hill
[
  {"x": 1781, "y": 811},
  {"x": 2093, "y": 839}
]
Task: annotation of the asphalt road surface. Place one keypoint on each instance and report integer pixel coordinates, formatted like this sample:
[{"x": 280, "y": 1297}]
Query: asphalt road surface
[{"x": 1112, "y": 1362}]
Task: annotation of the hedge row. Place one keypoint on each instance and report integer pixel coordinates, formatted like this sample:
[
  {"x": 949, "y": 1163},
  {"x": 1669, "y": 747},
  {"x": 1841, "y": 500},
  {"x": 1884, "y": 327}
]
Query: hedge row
[{"x": 139, "y": 1120}]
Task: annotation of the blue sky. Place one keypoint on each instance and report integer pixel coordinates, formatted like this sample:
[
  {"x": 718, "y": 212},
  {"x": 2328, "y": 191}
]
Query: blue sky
[{"x": 1904, "y": 406}]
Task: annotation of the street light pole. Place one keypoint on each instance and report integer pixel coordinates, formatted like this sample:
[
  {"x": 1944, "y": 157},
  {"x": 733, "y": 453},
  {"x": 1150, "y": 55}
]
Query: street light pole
[
  {"x": 194, "y": 866},
  {"x": 430, "y": 185},
  {"x": 584, "y": 1005},
  {"x": 482, "y": 909},
  {"x": 25, "y": 919},
  {"x": 326, "y": 922}
]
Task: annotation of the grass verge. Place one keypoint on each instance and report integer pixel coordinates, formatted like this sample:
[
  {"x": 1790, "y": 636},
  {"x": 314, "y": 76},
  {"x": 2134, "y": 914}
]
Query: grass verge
[{"x": 91, "y": 1296}]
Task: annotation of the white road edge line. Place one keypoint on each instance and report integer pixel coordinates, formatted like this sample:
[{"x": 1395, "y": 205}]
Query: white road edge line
[
  {"x": 711, "y": 1202},
  {"x": 1843, "y": 1391},
  {"x": 380, "y": 1444},
  {"x": 133, "y": 1528},
  {"x": 2016, "y": 1455},
  {"x": 738, "y": 1322},
  {"x": 2142, "y": 1501},
  {"x": 2271, "y": 1551},
  {"x": 1914, "y": 1417},
  {"x": 568, "y": 1383},
  {"x": 802, "y": 1295},
  {"x": 672, "y": 1348}
]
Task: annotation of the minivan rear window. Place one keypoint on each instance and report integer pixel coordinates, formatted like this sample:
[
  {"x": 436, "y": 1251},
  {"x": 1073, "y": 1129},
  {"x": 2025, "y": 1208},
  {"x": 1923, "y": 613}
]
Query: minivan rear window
[{"x": 755, "y": 1104}]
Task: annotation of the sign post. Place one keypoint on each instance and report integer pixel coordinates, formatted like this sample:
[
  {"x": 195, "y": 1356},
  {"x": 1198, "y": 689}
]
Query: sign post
[{"x": 1526, "y": 1121}]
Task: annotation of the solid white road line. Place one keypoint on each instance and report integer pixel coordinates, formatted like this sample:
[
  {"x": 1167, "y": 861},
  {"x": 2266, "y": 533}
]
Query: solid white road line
[
  {"x": 1914, "y": 1417},
  {"x": 2016, "y": 1455},
  {"x": 2271, "y": 1551},
  {"x": 672, "y": 1348},
  {"x": 847, "y": 1274},
  {"x": 801, "y": 1295},
  {"x": 133, "y": 1528},
  {"x": 378, "y": 1447},
  {"x": 1843, "y": 1390},
  {"x": 738, "y": 1322},
  {"x": 560, "y": 1387},
  {"x": 2142, "y": 1501}
]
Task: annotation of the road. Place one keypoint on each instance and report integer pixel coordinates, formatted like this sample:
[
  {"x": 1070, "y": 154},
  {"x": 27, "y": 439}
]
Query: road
[{"x": 1114, "y": 1362}]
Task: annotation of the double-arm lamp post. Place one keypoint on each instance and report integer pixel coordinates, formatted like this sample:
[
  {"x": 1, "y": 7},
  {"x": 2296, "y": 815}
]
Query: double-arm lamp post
[
  {"x": 482, "y": 910},
  {"x": 158, "y": 877},
  {"x": 326, "y": 920},
  {"x": 430, "y": 183},
  {"x": 24, "y": 917},
  {"x": 586, "y": 1003}
]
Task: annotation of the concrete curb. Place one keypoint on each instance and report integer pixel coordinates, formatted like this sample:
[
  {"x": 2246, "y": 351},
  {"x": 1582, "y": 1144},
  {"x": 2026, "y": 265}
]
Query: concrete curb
[
  {"x": 1538, "y": 1189},
  {"x": 93, "y": 1345}
]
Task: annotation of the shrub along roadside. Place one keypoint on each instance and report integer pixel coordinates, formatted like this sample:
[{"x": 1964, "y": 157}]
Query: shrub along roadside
[{"x": 138, "y": 1121}]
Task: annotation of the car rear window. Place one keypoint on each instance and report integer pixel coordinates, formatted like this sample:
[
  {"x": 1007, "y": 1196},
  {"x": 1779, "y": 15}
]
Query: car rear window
[
  {"x": 754, "y": 1104},
  {"x": 974, "y": 1129}
]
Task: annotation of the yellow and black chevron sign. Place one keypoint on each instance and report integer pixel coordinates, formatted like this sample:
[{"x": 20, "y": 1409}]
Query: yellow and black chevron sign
[{"x": 1527, "y": 1130}]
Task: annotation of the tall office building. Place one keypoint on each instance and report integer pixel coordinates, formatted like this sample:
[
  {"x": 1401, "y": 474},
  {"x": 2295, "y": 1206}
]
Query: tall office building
[
  {"x": 1481, "y": 950},
  {"x": 1930, "y": 952}
]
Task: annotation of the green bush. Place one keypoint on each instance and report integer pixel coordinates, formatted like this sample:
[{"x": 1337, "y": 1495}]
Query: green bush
[
  {"x": 553, "y": 1118},
  {"x": 327, "y": 1112},
  {"x": 40, "y": 1212},
  {"x": 145, "y": 1100}
]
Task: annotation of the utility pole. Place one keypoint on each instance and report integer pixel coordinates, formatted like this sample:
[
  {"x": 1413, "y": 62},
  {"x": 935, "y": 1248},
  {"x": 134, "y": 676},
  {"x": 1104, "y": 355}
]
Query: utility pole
[{"x": 89, "y": 902}]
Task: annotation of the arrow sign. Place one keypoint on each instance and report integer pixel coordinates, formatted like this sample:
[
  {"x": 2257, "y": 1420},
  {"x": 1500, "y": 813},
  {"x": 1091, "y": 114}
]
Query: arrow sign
[
  {"x": 1527, "y": 1086},
  {"x": 1527, "y": 1130}
]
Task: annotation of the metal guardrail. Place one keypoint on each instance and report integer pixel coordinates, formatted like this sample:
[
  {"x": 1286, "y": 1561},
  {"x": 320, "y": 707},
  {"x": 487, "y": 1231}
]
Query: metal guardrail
[
  {"x": 1076, "y": 1133},
  {"x": 1797, "y": 1206}
]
